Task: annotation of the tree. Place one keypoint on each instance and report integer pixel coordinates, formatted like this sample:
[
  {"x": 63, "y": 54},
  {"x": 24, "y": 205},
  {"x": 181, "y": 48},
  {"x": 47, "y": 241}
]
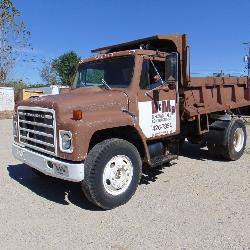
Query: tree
[
  {"x": 48, "y": 73},
  {"x": 18, "y": 85},
  {"x": 14, "y": 38},
  {"x": 65, "y": 66}
]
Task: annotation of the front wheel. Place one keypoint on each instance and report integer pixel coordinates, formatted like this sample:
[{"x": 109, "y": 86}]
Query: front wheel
[{"x": 112, "y": 173}]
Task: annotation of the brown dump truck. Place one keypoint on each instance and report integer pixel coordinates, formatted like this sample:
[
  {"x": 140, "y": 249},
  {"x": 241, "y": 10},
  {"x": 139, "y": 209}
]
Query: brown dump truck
[{"x": 131, "y": 105}]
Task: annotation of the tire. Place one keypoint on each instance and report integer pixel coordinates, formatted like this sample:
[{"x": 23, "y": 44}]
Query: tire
[
  {"x": 214, "y": 150},
  {"x": 112, "y": 173},
  {"x": 235, "y": 141}
]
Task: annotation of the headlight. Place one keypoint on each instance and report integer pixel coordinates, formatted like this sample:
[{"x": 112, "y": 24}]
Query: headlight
[{"x": 65, "y": 141}]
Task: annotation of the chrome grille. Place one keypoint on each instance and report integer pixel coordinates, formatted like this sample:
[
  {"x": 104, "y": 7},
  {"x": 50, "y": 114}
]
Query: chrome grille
[{"x": 37, "y": 129}]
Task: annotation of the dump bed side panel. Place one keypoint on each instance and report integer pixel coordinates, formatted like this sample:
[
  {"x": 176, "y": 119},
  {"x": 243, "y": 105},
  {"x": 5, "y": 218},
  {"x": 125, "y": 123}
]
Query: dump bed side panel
[{"x": 212, "y": 94}]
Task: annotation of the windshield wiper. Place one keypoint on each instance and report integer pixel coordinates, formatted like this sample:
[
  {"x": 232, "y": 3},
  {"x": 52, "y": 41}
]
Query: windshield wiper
[{"x": 105, "y": 84}]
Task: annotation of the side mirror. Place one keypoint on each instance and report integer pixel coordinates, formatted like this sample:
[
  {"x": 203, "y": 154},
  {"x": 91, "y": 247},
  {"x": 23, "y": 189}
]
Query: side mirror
[{"x": 171, "y": 68}]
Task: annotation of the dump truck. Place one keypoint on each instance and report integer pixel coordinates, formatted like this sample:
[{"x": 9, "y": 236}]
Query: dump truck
[{"x": 131, "y": 105}]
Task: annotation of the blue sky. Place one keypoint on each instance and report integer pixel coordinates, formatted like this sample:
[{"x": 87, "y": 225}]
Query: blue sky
[{"x": 215, "y": 29}]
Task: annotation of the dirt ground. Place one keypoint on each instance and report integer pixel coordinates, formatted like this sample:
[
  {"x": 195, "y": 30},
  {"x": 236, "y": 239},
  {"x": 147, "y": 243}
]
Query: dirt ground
[
  {"x": 6, "y": 115},
  {"x": 194, "y": 203}
]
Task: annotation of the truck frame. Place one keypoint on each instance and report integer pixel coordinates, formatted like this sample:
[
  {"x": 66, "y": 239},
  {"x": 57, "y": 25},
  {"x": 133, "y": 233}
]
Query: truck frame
[{"x": 131, "y": 105}]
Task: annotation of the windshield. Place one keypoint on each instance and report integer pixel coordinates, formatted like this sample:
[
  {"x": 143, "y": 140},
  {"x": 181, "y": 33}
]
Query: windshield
[{"x": 115, "y": 72}]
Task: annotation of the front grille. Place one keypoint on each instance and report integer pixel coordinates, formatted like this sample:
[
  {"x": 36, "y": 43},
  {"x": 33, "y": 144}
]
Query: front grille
[{"x": 37, "y": 129}]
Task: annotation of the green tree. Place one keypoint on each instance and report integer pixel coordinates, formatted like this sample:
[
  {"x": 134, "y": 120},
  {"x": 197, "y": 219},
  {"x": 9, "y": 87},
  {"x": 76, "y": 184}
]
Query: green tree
[
  {"x": 14, "y": 38},
  {"x": 65, "y": 66}
]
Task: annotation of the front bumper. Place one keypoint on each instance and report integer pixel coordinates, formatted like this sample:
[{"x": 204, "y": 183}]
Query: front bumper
[{"x": 49, "y": 165}]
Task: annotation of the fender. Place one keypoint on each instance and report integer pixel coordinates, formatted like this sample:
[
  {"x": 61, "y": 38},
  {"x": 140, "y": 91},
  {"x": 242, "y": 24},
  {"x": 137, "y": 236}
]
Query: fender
[{"x": 83, "y": 130}]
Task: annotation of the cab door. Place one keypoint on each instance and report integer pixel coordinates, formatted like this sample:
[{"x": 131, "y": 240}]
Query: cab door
[{"x": 158, "y": 106}]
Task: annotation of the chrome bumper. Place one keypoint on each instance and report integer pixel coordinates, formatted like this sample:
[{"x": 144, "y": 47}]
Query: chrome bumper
[{"x": 49, "y": 165}]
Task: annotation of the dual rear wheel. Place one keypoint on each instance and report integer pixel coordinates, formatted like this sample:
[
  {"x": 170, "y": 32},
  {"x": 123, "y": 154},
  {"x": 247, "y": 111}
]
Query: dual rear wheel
[{"x": 231, "y": 142}]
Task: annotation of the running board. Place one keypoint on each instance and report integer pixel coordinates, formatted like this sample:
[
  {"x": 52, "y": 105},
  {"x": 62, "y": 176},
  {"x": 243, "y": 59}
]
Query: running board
[{"x": 159, "y": 160}]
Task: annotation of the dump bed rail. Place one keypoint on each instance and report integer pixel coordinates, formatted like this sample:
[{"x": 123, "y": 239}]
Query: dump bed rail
[{"x": 212, "y": 94}]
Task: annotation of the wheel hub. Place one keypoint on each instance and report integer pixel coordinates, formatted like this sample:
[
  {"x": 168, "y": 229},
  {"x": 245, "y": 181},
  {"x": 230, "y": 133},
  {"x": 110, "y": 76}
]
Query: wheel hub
[
  {"x": 238, "y": 139},
  {"x": 117, "y": 174}
]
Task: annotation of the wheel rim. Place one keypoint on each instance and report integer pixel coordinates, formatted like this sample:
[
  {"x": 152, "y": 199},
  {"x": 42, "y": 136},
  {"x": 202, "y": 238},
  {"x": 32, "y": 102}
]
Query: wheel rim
[
  {"x": 238, "y": 139},
  {"x": 117, "y": 174}
]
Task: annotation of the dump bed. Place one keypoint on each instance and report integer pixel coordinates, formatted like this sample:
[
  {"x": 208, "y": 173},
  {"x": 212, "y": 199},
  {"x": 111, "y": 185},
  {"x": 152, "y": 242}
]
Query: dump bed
[{"x": 205, "y": 95}]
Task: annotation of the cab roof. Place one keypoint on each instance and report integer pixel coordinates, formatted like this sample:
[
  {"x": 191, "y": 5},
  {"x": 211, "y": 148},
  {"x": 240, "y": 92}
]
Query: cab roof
[{"x": 166, "y": 43}]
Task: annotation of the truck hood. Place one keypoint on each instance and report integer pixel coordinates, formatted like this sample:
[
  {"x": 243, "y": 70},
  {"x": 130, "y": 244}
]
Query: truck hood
[{"x": 87, "y": 99}]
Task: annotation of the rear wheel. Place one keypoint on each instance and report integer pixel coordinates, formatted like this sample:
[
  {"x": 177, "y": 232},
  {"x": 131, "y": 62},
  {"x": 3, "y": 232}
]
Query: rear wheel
[
  {"x": 112, "y": 173},
  {"x": 235, "y": 139},
  {"x": 214, "y": 150}
]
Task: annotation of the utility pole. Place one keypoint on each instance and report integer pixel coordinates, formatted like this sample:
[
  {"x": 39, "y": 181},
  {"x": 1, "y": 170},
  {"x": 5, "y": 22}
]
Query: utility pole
[{"x": 247, "y": 58}]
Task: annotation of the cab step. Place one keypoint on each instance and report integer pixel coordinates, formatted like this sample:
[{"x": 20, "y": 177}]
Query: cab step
[{"x": 159, "y": 160}]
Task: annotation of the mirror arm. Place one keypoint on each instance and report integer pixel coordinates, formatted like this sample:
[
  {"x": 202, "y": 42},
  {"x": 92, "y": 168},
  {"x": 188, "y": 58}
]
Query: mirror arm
[
  {"x": 177, "y": 78},
  {"x": 188, "y": 61},
  {"x": 157, "y": 72}
]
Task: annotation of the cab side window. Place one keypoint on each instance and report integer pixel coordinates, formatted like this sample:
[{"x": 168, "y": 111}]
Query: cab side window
[{"x": 149, "y": 78}]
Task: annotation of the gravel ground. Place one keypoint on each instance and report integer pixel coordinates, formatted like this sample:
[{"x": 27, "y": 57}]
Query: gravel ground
[{"x": 195, "y": 203}]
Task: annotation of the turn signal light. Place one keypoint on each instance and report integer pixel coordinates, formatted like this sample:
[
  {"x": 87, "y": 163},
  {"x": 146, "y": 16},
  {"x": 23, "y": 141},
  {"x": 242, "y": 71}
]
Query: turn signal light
[{"x": 77, "y": 115}]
